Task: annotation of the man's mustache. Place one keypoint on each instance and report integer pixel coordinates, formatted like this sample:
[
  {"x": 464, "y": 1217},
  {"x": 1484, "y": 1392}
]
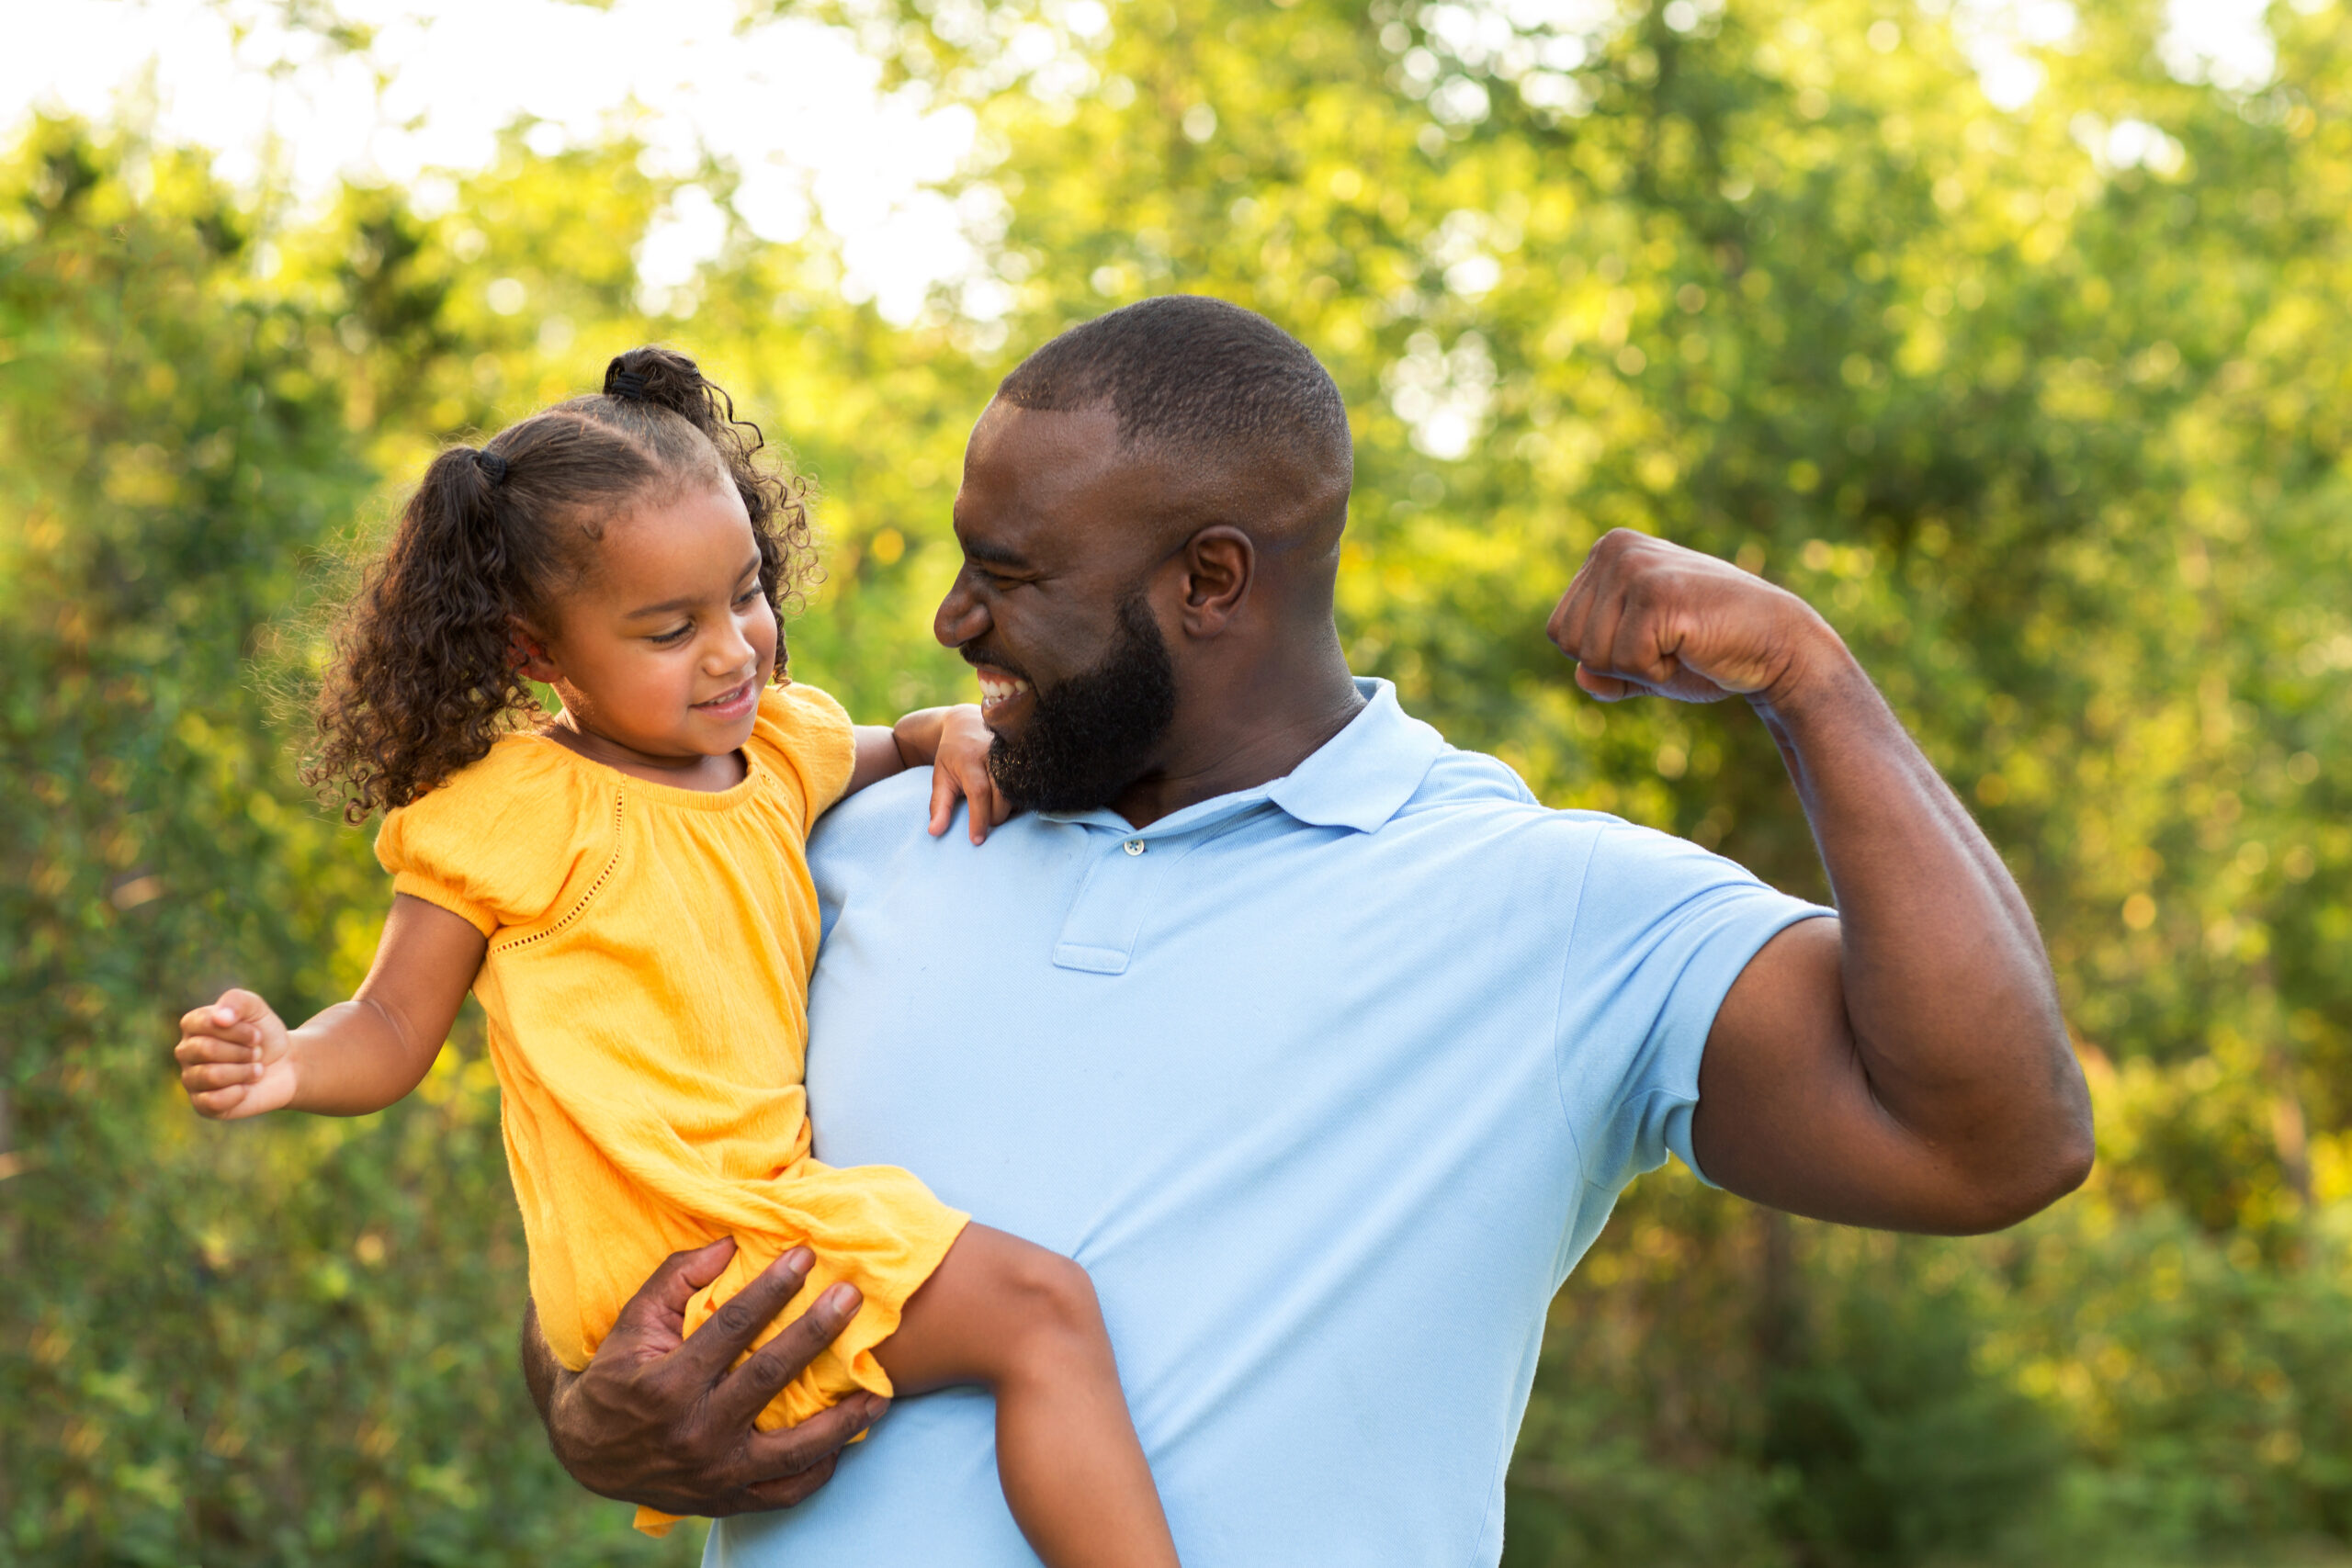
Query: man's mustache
[{"x": 976, "y": 655}]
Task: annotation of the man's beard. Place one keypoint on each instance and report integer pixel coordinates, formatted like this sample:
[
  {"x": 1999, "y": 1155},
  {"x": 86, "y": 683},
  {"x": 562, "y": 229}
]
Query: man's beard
[{"x": 1090, "y": 736}]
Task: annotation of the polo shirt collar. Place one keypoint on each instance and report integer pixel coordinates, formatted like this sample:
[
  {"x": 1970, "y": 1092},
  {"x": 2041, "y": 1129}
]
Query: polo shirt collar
[
  {"x": 1364, "y": 775},
  {"x": 1358, "y": 779}
]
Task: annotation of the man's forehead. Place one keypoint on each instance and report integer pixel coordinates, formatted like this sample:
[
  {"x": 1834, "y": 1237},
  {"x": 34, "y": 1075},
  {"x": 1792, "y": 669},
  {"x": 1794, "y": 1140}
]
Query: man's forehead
[
  {"x": 1048, "y": 450},
  {"x": 1031, "y": 476}
]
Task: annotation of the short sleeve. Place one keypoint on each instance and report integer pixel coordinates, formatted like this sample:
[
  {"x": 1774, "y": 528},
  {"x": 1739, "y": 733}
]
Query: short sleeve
[
  {"x": 806, "y": 738},
  {"x": 1662, "y": 929},
  {"x": 497, "y": 843}
]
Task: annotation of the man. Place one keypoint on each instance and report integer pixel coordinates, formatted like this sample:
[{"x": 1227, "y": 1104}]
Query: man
[{"x": 1321, "y": 1044}]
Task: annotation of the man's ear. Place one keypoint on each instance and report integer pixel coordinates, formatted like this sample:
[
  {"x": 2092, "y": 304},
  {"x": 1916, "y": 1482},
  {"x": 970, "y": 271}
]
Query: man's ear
[
  {"x": 1220, "y": 564},
  {"x": 528, "y": 648}
]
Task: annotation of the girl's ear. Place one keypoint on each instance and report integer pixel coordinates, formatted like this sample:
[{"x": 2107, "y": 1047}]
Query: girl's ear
[{"x": 529, "y": 650}]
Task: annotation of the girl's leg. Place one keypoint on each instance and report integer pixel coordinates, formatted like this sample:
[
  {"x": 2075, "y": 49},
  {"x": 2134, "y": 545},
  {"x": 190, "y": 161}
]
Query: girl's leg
[{"x": 1024, "y": 1321}]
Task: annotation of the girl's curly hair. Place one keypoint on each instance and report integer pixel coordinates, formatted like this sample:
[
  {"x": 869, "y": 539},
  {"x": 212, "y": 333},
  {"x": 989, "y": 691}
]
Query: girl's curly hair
[{"x": 425, "y": 677}]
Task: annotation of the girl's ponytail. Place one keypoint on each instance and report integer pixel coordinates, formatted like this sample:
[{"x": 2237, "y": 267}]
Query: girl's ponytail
[
  {"x": 425, "y": 677},
  {"x": 777, "y": 502}
]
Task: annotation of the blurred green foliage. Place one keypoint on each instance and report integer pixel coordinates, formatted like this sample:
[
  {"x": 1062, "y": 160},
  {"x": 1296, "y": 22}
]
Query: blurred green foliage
[{"x": 2047, "y": 409}]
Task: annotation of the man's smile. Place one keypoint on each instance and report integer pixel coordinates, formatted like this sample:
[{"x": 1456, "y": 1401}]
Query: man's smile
[{"x": 999, "y": 690}]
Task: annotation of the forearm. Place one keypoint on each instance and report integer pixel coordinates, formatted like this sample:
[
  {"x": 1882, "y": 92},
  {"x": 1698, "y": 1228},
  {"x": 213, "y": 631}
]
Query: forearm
[
  {"x": 355, "y": 1057},
  {"x": 913, "y": 742},
  {"x": 1948, "y": 991}
]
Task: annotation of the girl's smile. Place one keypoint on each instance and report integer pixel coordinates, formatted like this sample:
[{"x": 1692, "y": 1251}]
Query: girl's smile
[{"x": 734, "y": 702}]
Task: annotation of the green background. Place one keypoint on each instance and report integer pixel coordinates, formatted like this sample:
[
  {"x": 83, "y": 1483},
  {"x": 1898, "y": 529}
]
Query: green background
[{"x": 2057, "y": 442}]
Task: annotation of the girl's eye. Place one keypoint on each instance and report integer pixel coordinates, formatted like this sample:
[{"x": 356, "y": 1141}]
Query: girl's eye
[
  {"x": 672, "y": 637},
  {"x": 748, "y": 595}
]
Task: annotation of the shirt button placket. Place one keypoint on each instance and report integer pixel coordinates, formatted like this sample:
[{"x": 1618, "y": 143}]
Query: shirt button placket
[{"x": 1099, "y": 934}]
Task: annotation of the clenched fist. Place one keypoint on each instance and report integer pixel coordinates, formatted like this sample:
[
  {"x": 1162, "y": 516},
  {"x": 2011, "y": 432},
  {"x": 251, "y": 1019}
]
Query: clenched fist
[
  {"x": 235, "y": 1058},
  {"x": 1646, "y": 617}
]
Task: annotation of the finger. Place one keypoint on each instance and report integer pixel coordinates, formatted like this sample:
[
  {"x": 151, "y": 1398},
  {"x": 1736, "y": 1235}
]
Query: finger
[
  {"x": 943, "y": 800},
  {"x": 218, "y": 1102},
  {"x": 1608, "y": 688},
  {"x": 658, "y": 1311},
  {"x": 206, "y": 1020},
  {"x": 196, "y": 1049},
  {"x": 715, "y": 1346},
  {"x": 239, "y": 1006},
  {"x": 773, "y": 1458},
  {"x": 979, "y": 807},
  {"x": 204, "y": 1080},
  {"x": 745, "y": 1391},
  {"x": 1567, "y": 624},
  {"x": 787, "y": 1492},
  {"x": 1597, "y": 634},
  {"x": 1640, "y": 651}
]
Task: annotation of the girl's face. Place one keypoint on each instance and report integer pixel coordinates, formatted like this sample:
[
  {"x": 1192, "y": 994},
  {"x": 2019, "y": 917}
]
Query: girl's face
[{"x": 660, "y": 655}]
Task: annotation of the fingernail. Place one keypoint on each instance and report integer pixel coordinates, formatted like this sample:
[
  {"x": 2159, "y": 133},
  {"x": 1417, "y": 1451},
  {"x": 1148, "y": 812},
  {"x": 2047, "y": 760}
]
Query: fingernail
[
  {"x": 798, "y": 1260},
  {"x": 838, "y": 1300},
  {"x": 224, "y": 1015}
]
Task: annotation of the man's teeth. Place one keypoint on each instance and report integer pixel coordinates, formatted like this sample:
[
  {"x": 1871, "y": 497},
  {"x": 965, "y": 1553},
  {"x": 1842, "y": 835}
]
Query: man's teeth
[{"x": 993, "y": 691}]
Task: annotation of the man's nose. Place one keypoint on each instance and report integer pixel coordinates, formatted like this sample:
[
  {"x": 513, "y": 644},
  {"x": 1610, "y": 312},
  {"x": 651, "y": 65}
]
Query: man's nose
[{"x": 961, "y": 615}]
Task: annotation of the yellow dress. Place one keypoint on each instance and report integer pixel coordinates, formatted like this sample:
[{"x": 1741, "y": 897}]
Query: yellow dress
[{"x": 646, "y": 985}]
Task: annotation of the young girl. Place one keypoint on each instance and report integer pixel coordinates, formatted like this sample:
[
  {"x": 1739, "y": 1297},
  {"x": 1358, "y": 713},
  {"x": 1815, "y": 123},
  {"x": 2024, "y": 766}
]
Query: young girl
[{"x": 625, "y": 888}]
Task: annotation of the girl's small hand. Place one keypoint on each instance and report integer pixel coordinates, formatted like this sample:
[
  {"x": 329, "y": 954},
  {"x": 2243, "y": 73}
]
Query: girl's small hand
[
  {"x": 961, "y": 768},
  {"x": 235, "y": 1058}
]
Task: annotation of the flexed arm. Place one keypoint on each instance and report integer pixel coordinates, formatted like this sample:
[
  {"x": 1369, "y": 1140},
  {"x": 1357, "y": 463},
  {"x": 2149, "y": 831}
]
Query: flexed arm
[{"x": 1905, "y": 1066}]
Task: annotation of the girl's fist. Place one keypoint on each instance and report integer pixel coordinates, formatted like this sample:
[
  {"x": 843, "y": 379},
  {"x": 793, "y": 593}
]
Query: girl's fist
[{"x": 235, "y": 1058}]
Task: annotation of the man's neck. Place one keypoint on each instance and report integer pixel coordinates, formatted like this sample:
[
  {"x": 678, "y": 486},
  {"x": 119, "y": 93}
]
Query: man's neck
[{"x": 1241, "y": 733}]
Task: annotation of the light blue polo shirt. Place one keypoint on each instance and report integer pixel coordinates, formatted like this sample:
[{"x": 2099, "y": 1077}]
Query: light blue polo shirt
[{"x": 1328, "y": 1083}]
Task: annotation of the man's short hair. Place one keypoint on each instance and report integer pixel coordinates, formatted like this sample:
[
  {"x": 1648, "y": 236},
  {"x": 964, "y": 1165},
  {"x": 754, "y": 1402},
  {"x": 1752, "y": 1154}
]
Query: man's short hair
[{"x": 1189, "y": 376}]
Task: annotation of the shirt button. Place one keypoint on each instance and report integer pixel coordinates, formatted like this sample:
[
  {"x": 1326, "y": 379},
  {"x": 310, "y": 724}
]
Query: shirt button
[{"x": 1134, "y": 846}]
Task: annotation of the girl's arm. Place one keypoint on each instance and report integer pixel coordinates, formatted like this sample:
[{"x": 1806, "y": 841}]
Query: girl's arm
[
  {"x": 237, "y": 1057},
  {"x": 953, "y": 743}
]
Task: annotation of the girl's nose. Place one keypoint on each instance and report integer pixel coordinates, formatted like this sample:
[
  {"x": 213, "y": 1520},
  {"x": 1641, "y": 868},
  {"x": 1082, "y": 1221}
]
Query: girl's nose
[{"x": 730, "y": 651}]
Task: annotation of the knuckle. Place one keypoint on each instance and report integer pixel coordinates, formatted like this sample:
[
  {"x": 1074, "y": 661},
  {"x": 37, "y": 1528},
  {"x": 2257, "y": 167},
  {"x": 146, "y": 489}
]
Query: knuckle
[{"x": 734, "y": 1319}]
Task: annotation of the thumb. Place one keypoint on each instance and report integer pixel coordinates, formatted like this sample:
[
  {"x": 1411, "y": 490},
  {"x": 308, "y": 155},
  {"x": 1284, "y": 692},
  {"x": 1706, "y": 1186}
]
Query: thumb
[
  {"x": 663, "y": 1297},
  {"x": 239, "y": 1006},
  {"x": 1608, "y": 688}
]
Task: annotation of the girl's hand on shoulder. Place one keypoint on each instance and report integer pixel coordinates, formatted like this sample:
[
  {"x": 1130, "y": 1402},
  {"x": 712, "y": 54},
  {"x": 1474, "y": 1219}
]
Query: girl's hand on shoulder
[
  {"x": 236, "y": 1058},
  {"x": 961, "y": 770}
]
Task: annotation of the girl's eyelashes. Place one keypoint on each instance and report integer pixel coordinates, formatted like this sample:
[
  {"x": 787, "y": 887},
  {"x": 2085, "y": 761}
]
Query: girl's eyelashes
[{"x": 672, "y": 637}]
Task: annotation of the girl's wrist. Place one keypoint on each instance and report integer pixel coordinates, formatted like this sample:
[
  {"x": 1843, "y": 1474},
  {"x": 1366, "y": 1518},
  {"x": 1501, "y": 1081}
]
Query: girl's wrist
[
  {"x": 916, "y": 735},
  {"x": 292, "y": 1063}
]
